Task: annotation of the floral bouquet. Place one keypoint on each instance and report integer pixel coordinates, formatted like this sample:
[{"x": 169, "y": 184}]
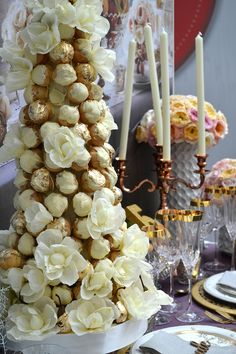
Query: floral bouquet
[
  {"x": 184, "y": 123},
  {"x": 223, "y": 174},
  {"x": 71, "y": 261}
]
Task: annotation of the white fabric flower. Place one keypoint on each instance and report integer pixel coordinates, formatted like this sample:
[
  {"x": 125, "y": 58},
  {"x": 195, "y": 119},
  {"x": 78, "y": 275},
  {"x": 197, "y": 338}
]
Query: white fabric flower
[
  {"x": 104, "y": 218},
  {"x": 37, "y": 217},
  {"x": 29, "y": 282},
  {"x": 32, "y": 322},
  {"x": 59, "y": 257},
  {"x": 135, "y": 243},
  {"x": 103, "y": 61},
  {"x": 15, "y": 20},
  {"x": 12, "y": 147},
  {"x": 88, "y": 18},
  {"x": 42, "y": 33},
  {"x": 126, "y": 270},
  {"x": 142, "y": 304},
  {"x": 64, "y": 148},
  {"x": 95, "y": 315},
  {"x": 95, "y": 283}
]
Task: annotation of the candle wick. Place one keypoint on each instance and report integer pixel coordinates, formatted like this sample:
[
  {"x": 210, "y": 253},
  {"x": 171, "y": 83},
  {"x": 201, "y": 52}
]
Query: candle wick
[{"x": 200, "y": 34}]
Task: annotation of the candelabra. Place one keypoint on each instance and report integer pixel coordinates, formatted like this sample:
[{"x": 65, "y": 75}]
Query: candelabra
[{"x": 165, "y": 180}]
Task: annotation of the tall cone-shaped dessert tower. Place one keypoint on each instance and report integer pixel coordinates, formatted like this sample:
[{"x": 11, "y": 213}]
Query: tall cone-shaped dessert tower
[{"x": 72, "y": 263}]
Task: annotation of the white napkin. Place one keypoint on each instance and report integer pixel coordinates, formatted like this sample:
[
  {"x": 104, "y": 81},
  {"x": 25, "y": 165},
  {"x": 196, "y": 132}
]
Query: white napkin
[
  {"x": 228, "y": 279},
  {"x": 167, "y": 343}
]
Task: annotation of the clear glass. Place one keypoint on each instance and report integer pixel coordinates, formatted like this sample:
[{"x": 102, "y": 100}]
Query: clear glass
[
  {"x": 230, "y": 222},
  {"x": 216, "y": 217},
  {"x": 188, "y": 234},
  {"x": 167, "y": 247},
  {"x": 158, "y": 265}
]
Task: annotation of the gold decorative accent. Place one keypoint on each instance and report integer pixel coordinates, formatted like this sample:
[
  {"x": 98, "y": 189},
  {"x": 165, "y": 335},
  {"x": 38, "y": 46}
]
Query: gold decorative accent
[
  {"x": 230, "y": 340},
  {"x": 198, "y": 202},
  {"x": 178, "y": 215},
  {"x": 154, "y": 230},
  {"x": 133, "y": 215},
  {"x": 205, "y": 300}
]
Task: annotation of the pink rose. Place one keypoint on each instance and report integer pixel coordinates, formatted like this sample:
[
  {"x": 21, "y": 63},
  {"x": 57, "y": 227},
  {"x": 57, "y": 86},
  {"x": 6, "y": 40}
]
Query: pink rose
[{"x": 193, "y": 115}]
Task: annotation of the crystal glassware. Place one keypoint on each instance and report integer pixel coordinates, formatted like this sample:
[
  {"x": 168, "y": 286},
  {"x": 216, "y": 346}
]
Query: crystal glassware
[
  {"x": 230, "y": 218},
  {"x": 158, "y": 265},
  {"x": 167, "y": 246},
  {"x": 204, "y": 229},
  {"x": 188, "y": 225},
  {"x": 216, "y": 217}
]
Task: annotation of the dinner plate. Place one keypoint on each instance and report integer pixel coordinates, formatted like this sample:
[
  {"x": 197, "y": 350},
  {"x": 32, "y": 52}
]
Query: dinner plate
[
  {"x": 210, "y": 286},
  {"x": 215, "y": 335}
]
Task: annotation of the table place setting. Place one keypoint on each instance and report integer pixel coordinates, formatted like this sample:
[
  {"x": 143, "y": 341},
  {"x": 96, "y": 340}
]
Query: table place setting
[{"x": 189, "y": 339}]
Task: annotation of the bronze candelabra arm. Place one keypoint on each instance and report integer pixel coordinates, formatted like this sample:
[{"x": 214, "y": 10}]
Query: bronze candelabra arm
[
  {"x": 122, "y": 176},
  {"x": 201, "y": 162}
]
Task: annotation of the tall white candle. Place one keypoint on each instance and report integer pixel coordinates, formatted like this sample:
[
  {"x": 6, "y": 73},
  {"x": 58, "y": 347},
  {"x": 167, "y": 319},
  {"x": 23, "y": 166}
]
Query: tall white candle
[
  {"x": 127, "y": 100},
  {"x": 154, "y": 83},
  {"x": 200, "y": 94},
  {"x": 165, "y": 85}
]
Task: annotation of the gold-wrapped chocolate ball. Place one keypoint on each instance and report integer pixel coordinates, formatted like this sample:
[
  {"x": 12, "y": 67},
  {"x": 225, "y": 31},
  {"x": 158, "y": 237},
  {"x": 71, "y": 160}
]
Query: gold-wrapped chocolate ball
[
  {"x": 10, "y": 258},
  {"x": 34, "y": 92},
  {"x": 92, "y": 180},
  {"x": 30, "y": 136},
  {"x": 18, "y": 222},
  {"x": 24, "y": 115},
  {"x": 50, "y": 165},
  {"x": 66, "y": 183},
  {"x": 90, "y": 112},
  {"x": 82, "y": 131},
  {"x": 64, "y": 74},
  {"x": 68, "y": 115},
  {"x": 109, "y": 148},
  {"x": 13, "y": 240},
  {"x": 99, "y": 157},
  {"x": 63, "y": 324},
  {"x": 110, "y": 176},
  {"x": 42, "y": 75},
  {"x": 62, "y": 295},
  {"x": 99, "y": 134},
  {"x": 66, "y": 32},
  {"x": 82, "y": 49},
  {"x": 39, "y": 112},
  {"x": 22, "y": 179},
  {"x": 57, "y": 96},
  {"x": 42, "y": 181},
  {"x": 62, "y": 53},
  {"x": 26, "y": 244},
  {"x": 100, "y": 248},
  {"x": 95, "y": 92},
  {"x": 80, "y": 229},
  {"x": 61, "y": 224},
  {"x": 85, "y": 73},
  {"x": 56, "y": 203},
  {"x": 27, "y": 197},
  {"x": 77, "y": 93},
  {"x": 82, "y": 204}
]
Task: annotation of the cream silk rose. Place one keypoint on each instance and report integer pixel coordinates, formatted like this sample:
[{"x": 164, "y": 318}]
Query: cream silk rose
[
  {"x": 37, "y": 217},
  {"x": 142, "y": 304},
  {"x": 126, "y": 270},
  {"x": 135, "y": 243},
  {"x": 29, "y": 282},
  {"x": 94, "y": 315},
  {"x": 15, "y": 20},
  {"x": 59, "y": 257},
  {"x": 12, "y": 147},
  {"x": 64, "y": 148},
  {"x": 42, "y": 34},
  {"x": 103, "y": 61},
  {"x": 98, "y": 281},
  {"x": 32, "y": 322},
  {"x": 104, "y": 218}
]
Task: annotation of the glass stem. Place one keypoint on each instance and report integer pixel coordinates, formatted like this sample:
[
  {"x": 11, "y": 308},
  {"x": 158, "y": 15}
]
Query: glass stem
[
  {"x": 216, "y": 234},
  {"x": 172, "y": 269},
  {"x": 190, "y": 299},
  {"x": 233, "y": 255}
]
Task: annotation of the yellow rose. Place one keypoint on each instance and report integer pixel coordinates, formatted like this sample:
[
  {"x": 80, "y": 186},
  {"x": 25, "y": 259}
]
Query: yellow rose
[
  {"x": 210, "y": 110},
  {"x": 141, "y": 134},
  {"x": 179, "y": 118},
  {"x": 191, "y": 132},
  {"x": 192, "y": 101},
  {"x": 229, "y": 173}
]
